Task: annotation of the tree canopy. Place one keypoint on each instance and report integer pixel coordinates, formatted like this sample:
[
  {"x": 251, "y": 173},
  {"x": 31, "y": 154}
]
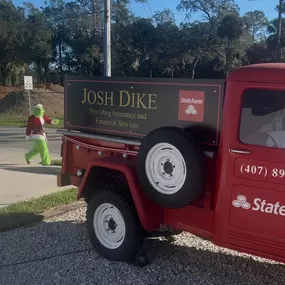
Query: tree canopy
[{"x": 67, "y": 37}]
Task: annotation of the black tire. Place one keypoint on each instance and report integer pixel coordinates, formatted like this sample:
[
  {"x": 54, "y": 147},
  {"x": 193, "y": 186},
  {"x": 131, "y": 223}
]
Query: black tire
[
  {"x": 194, "y": 161},
  {"x": 128, "y": 250}
]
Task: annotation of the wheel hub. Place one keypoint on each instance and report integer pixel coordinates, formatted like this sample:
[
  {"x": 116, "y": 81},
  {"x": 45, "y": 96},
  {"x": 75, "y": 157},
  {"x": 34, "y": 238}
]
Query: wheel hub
[
  {"x": 109, "y": 226},
  {"x": 168, "y": 167},
  {"x": 112, "y": 224},
  {"x": 165, "y": 168}
]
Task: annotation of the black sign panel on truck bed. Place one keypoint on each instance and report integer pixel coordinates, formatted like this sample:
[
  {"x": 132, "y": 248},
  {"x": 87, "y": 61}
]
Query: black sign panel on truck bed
[{"x": 133, "y": 107}]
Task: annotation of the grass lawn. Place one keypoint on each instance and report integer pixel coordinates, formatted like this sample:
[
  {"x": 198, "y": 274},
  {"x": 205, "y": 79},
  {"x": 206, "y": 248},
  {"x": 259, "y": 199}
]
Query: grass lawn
[
  {"x": 16, "y": 121},
  {"x": 29, "y": 211},
  {"x": 12, "y": 121}
]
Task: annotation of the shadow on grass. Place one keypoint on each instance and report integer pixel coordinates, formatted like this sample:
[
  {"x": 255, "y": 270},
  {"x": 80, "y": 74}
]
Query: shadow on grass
[
  {"x": 12, "y": 221},
  {"x": 47, "y": 170},
  {"x": 34, "y": 210}
]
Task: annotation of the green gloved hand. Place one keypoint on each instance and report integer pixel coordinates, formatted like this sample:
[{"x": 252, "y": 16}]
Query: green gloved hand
[{"x": 54, "y": 121}]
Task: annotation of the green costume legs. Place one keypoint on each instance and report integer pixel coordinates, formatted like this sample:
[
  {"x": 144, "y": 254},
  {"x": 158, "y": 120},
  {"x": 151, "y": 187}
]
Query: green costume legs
[
  {"x": 32, "y": 153},
  {"x": 44, "y": 153},
  {"x": 39, "y": 147}
]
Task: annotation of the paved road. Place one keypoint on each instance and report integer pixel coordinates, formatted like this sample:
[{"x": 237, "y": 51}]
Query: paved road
[
  {"x": 20, "y": 181},
  {"x": 15, "y": 138}
]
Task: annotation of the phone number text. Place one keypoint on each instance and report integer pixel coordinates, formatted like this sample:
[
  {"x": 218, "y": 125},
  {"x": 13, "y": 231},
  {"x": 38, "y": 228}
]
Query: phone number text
[{"x": 262, "y": 171}]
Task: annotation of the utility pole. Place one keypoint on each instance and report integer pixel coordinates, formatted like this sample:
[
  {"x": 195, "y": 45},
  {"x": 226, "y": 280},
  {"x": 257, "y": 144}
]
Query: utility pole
[
  {"x": 278, "y": 44},
  {"x": 107, "y": 39}
]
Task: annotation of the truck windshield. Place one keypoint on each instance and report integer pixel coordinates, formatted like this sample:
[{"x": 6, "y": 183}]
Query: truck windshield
[{"x": 262, "y": 118}]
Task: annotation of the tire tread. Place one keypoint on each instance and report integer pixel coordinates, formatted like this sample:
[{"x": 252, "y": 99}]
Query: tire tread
[
  {"x": 128, "y": 250},
  {"x": 193, "y": 155}
]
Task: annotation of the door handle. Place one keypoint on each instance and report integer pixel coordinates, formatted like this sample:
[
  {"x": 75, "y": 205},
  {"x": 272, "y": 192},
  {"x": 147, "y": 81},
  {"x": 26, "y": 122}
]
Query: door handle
[{"x": 240, "y": 151}]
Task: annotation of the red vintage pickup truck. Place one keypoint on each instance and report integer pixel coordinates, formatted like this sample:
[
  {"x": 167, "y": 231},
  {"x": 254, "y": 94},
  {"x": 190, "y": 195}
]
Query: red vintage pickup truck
[{"x": 203, "y": 156}]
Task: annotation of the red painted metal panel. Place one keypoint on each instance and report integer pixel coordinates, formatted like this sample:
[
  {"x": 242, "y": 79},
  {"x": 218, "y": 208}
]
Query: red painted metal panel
[{"x": 148, "y": 212}]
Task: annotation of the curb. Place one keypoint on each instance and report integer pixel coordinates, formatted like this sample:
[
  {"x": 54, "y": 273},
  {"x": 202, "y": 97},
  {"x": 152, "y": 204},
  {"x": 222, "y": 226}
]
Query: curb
[
  {"x": 35, "y": 219},
  {"x": 60, "y": 210}
]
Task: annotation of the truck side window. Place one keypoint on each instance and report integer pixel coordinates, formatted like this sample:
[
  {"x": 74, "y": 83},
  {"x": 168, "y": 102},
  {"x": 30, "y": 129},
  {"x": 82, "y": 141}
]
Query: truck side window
[{"x": 262, "y": 118}]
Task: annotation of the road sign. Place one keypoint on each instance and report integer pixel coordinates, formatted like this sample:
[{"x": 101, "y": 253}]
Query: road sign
[{"x": 28, "y": 82}]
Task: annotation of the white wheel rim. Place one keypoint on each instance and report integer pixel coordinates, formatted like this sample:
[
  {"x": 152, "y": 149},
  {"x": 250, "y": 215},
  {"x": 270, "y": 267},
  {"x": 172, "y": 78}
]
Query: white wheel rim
[
  {"x": 109, "y": 226},
  {"x": 165, "y": 168}
]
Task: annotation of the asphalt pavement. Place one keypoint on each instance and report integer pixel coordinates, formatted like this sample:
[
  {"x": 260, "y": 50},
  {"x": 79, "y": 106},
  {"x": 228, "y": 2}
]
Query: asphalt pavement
[
  {"x": 20, "y": 181},
  {"x": 14, "y": 138}
]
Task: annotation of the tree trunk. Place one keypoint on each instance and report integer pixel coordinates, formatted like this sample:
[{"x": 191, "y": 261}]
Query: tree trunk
[
  {"x": 4, "y": 74},
  {"x": 117, "y": 12},
  {"x": 38, "y": 72},
  {"x": 194, "y": 66},
  {"x": 45, "y": 72},
  {"x": 96, "y": 18},
  {"x": 228, "y": 55},
  {"x": 60, "y": 62},
  {"x": 13, "y": 79},
  {"x": 279, "y": 30}
]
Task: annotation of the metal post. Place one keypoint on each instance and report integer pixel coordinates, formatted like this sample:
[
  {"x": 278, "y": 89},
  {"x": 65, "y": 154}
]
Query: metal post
[
  {"x": 107, "y": 39},
  {"x": 30, "y": 105},
  {"x": 278, "y": 44}
]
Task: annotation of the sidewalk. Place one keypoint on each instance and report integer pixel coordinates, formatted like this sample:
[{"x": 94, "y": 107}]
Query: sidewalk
[{"x": 20, "y": 181}]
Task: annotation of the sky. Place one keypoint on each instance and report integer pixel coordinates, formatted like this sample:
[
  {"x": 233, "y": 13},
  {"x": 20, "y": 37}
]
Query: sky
[{"x": 267, "y": 6}]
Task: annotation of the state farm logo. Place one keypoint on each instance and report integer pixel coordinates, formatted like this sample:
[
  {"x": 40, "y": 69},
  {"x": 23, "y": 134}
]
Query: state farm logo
[
  {"x": 191, "y": 106},
  {"x": 191, "y": 110},
  {"x": 260, "y": 205},
  {"x": 241, "y": 202}
]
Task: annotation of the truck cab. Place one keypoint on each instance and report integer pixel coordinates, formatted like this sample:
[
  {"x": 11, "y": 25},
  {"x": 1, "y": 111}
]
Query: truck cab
[
  {"x": 249, "y": 197},
  {"x": 215, "y": 170}
]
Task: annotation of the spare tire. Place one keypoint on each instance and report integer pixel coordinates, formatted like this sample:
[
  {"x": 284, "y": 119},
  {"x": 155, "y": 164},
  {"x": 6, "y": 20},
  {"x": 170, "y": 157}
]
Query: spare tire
[{"x": 170, "y": 167}]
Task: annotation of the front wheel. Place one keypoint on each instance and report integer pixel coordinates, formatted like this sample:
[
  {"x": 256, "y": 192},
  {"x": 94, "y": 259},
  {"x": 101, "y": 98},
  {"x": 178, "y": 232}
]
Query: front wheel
[{"x": 113, "y": 226}]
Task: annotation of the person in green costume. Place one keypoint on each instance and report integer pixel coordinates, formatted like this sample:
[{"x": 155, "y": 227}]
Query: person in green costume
[{"x": 35, "y": 133}]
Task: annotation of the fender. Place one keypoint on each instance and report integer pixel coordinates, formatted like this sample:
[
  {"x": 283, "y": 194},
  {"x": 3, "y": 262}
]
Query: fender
[{"x": 150, "y": 214}]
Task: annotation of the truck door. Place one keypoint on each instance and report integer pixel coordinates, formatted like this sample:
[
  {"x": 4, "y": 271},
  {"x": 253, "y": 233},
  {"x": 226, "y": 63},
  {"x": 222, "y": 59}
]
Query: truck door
[{"x": 250, "y": 209}]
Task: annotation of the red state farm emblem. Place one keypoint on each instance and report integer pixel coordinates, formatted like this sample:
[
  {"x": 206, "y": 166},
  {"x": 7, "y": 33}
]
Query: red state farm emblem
[{"x": 191, "y": 106}]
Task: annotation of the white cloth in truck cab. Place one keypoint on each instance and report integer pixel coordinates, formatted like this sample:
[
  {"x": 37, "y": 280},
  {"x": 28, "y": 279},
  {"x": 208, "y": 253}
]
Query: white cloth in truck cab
[{"x": 277, "y": 137}]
